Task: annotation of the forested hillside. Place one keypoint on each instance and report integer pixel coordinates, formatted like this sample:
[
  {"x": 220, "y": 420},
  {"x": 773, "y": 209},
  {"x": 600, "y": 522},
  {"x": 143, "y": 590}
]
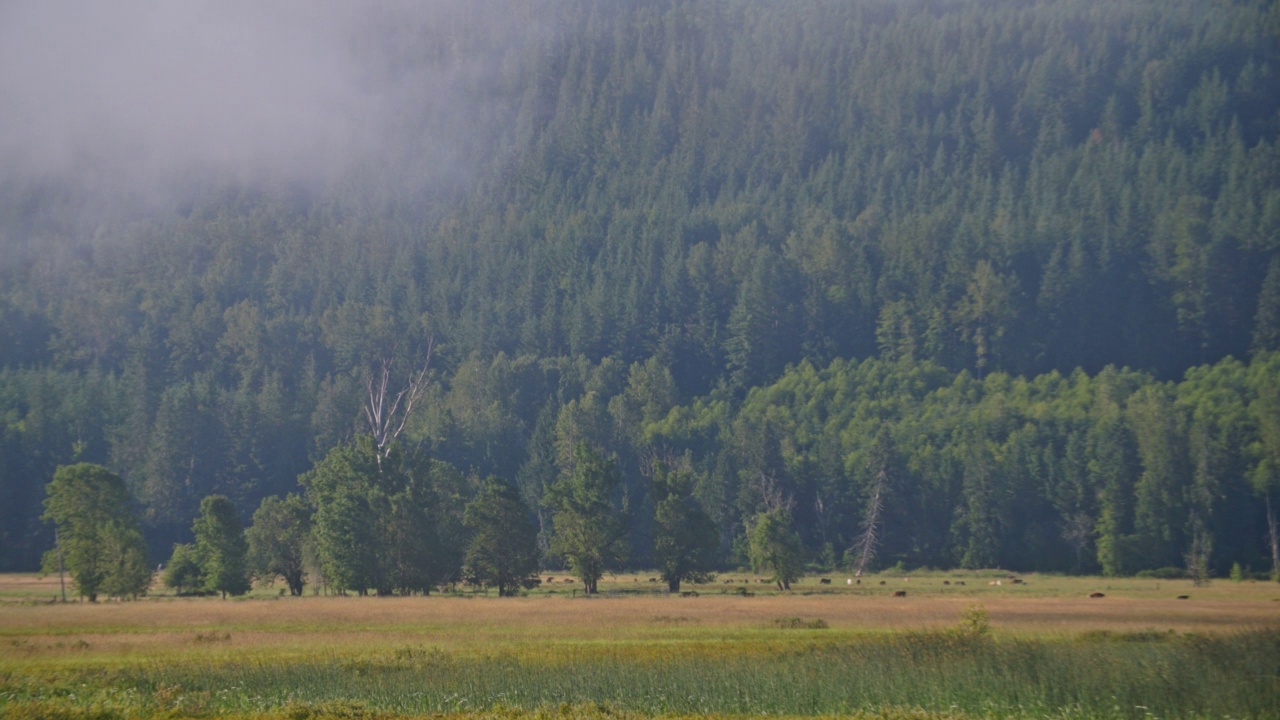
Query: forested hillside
[{"x": 996, "y": 280}]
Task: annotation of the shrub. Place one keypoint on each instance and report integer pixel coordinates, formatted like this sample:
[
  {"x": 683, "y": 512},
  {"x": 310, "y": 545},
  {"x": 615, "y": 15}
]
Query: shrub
[
  {"x": 1164, "y": 573},
  {"x": 795, "y": 623}
]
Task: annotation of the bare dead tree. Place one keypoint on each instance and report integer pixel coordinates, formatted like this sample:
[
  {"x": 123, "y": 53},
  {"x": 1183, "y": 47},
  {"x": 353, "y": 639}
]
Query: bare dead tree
[
  {"x": 822, "y": 514},
  {"x": 869, "y": 540},
  {"x": 1273, "y": 538},
  {"x": 772, "y": 495},
  {"x": 1197, "y": 556},
  {"x": 882, "y": 466},
  {"x": 388, "y": 408},
  {"x": 1078, "y": 529},
  {"x": 653, "y": 457},
  {"x": 62, "y": 572}
]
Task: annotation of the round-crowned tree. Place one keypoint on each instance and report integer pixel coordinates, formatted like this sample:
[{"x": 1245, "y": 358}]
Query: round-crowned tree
[
  {"x": 278, "y": 539},
  {"x": 775, "y": 548},
  {"x": 100, "y": 542},
  {"x": 221, "y": 549}
]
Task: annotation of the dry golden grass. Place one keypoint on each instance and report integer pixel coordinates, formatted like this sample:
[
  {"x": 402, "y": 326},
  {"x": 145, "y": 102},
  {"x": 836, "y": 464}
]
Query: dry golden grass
[
  {"x": 153, "y": 629},
  {"x": 28, "y": 586}
]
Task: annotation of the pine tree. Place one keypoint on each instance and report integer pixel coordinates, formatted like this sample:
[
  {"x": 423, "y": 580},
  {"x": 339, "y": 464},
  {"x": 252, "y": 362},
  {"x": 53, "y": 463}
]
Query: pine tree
[
  {"x": 503, "y": 550},
  {"x": 1266, "y": 321}
]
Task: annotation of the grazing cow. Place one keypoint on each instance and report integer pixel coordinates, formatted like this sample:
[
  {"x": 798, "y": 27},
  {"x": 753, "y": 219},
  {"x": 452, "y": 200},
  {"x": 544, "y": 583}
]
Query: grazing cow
[
  {"x": 825, "y": 581},
  {"x": 946, "y": 582},
  {"x": 959, "y": 582},
  {"x": 653, "y": 579},
  {"x": 899, "y": 593},
  {"x": 1096, "y": 595},
  {"x": 1184, "y": 597},
  {"x": 881, "y": 582}
]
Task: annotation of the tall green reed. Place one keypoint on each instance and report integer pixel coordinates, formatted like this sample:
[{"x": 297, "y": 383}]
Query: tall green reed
[{"x": 1165, "y": 676}]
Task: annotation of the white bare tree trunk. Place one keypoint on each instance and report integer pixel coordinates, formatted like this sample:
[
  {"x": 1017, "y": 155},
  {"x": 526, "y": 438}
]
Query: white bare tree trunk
[
  {"x": 870, "y": 539},
  {"x": 1273, "y": 532},
  {"x": 388, "y": 408}
]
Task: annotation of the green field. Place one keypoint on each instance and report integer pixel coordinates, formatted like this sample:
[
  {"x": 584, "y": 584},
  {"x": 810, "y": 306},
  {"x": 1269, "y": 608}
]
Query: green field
[{"x": 1038, "y": 648}]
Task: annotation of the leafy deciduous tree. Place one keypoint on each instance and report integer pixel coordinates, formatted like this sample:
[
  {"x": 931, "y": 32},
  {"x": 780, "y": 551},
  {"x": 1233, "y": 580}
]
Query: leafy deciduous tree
[
  {"x": 685, "y": 540},
  {"x": 589, "y": 532},
  {"x": 99, "y": 539},
  {"x": 221, "y": 549},
  {"x": 182, "y": 574},
  {"x": 278, "y": 540},
  {"x": 775, "y": 548}
]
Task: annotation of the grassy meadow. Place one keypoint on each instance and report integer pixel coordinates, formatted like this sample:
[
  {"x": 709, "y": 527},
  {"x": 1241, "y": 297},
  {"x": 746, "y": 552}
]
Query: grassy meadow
[{"x": 1038, "y": 648}]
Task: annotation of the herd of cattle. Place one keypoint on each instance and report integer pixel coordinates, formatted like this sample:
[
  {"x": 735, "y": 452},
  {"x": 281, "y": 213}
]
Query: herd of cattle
[{"x": 1012, "y": 580}]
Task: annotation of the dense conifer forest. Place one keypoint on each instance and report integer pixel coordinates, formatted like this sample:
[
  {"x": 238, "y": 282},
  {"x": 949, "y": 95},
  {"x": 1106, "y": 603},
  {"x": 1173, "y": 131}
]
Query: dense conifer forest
[{"x": 980, "y": 283}]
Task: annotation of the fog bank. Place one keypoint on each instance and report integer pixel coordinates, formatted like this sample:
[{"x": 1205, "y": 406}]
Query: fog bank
[{"x": 137, "y": 94}]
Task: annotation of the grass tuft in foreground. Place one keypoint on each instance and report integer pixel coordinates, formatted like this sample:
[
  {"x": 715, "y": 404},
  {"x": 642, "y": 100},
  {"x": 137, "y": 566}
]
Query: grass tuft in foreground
[{"x": 359, "y": 711}]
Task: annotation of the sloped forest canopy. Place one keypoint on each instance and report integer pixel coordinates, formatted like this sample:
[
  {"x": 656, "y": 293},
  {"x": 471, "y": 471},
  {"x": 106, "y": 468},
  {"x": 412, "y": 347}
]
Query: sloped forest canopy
[{"x": 1011, "y": 266}]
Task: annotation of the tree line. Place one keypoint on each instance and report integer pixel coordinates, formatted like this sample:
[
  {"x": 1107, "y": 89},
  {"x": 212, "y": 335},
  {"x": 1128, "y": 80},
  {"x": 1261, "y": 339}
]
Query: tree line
[
  {"x": 678, "y": 210},
  {"x": 854, "y": 466},
  {"x": 366, "y": 526}
]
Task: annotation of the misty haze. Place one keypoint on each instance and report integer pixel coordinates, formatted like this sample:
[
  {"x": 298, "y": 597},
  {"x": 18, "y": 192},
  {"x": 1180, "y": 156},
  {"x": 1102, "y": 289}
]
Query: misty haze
[{"x": 135, "y": 96}]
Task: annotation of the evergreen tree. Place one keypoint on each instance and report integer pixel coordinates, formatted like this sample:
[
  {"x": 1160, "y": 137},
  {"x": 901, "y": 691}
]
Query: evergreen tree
[
  {"x": 503, "y": 551},
  {"x": 979, "y": 517},
  {"x": 1266, "y": 322}
]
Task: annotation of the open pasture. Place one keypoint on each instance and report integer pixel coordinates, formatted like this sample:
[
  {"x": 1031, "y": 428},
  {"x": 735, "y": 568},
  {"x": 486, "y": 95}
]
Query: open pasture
[
  {"x": 118, "y": 633},
  {"x": 1039, "y": 647}
]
